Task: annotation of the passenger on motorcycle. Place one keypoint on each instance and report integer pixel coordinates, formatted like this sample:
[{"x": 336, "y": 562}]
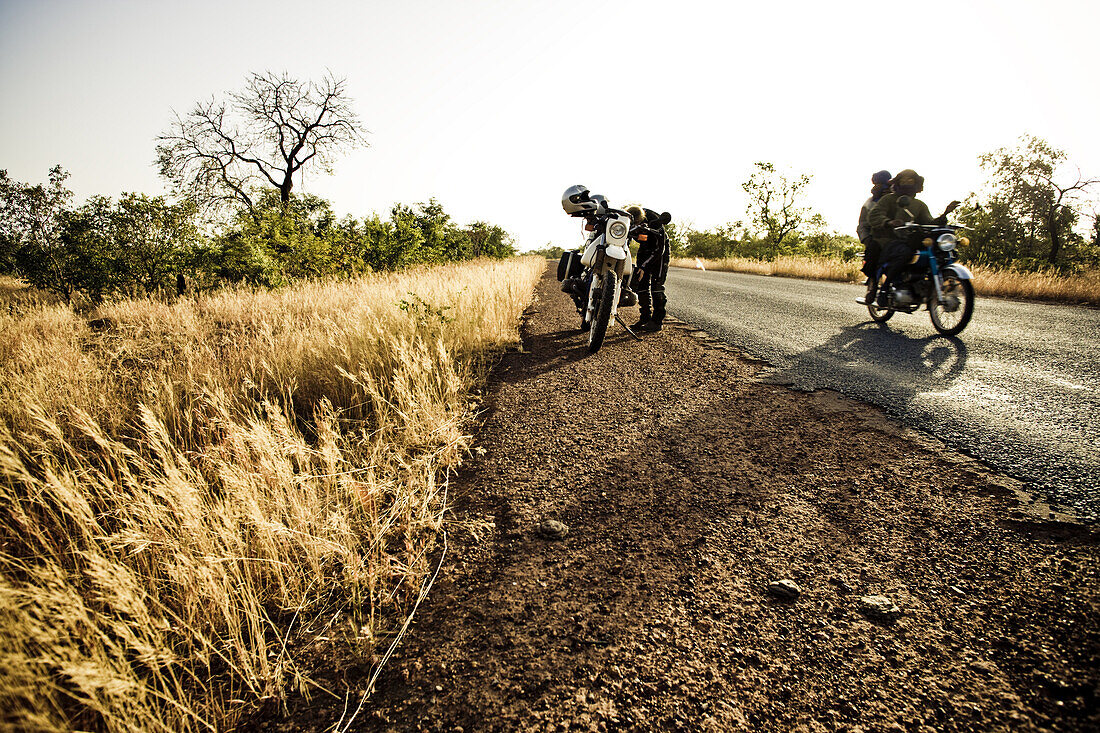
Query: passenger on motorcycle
[
  {"x": 652, "y": 266},
  {"x": 888, "y": 213},
  {"x": 880, "y": 186}
]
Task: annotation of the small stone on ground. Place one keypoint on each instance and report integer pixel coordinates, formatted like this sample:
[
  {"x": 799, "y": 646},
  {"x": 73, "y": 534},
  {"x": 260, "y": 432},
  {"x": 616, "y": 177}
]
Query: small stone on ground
[
  {"x": 785, "y": 589},
  {"x": 879, "y": 607},
  {"x": 552, "y": 529}
]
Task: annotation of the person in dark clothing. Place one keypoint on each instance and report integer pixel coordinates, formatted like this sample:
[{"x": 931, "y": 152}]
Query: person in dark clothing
[
  {"x": 880, "y": 186},
  {"x": 889, "y": 213},
  {"x": 650, "y": 270}
]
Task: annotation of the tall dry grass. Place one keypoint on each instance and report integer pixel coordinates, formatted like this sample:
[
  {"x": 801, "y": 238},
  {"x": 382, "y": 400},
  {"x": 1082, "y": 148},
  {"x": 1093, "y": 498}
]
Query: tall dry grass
[
  {"x": 811, "y": 268},
  {"x": 17, "y": 296},
  {"x": 192, "y": 492},
  {"x": 1083, "y": 288}
]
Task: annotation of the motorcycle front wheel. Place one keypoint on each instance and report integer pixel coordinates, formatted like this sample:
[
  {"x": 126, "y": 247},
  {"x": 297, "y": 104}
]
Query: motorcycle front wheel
[
  {"x": 603, "y": 313},
  {"x": 952, "y": 312}
]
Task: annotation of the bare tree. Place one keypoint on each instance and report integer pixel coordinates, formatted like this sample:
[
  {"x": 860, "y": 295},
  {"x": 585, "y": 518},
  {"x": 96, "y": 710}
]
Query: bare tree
[{"x": 261, "y": 136}]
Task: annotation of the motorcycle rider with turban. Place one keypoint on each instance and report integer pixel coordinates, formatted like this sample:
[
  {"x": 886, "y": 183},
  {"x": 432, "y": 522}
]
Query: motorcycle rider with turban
[
  {"x": 880, "y": 186},
  {"x": 651, "y": 268},
  {"x": 888, "y": 213}
]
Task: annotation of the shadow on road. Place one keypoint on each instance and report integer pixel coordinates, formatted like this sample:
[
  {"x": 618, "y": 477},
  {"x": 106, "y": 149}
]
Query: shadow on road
[
  {"x": 546, "y": 352},
  {"x": 883, "y": 360}
]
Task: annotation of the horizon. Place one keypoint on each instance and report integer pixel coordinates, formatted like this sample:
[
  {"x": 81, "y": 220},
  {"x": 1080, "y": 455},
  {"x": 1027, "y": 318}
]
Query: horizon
[{"x": 495, "y": 108}]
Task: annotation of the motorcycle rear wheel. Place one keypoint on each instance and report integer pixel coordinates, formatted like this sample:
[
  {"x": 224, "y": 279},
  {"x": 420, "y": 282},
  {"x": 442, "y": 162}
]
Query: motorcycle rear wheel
[
  {"x": 879, "y": 315},
  {"x": 582, "y": 306},
  {"x": 603, "y": 313},
  {"x": 952, "y": 322}
]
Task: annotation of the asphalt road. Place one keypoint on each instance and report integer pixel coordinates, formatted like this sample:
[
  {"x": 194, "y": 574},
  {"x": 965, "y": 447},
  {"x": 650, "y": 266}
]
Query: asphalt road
[{"x": 1019, "y": 389}]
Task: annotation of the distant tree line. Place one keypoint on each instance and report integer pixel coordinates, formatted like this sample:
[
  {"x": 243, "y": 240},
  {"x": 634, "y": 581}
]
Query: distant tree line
[
  {"x": 141, "y": 244},
  {"x": 1036, "y": 212},
  {"x": 778, "y": 223},
  {"x": 735, "y": 239},
  {"x": 234, "y": 216}
]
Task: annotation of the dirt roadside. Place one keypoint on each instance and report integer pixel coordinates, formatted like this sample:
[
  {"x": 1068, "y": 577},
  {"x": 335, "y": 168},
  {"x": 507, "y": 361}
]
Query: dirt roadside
[{"x": 688, "y": 486}]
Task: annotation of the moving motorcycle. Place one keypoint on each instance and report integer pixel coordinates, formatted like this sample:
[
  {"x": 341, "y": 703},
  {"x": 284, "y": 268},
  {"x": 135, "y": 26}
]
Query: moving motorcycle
[
  {"x": 595, "y": 275},
  {"x": 934, "y": 279}
]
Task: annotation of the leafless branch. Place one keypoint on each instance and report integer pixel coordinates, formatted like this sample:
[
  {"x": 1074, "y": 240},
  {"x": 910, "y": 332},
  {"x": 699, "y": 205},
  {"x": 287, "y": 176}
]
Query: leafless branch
[{"x": 266, "y": 133}]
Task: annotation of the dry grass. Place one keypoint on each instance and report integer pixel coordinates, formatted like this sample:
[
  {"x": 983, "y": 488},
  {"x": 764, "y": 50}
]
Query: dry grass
[
  {"x": 193, "y": 491},
  {"x": 18, "y": 297},
  {"x": 811, "y": 268},
  {"x": 1082, "y": 289}
]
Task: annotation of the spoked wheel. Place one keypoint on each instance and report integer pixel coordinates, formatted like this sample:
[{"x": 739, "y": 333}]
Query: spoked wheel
[
  {"x": 879, "y": 315},
  {"x": 603, "y": 313},
  {"x": 951, "y": 312}
]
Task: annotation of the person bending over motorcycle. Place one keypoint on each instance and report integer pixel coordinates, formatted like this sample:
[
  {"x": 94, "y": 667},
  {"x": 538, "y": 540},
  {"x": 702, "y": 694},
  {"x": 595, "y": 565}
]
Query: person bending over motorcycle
[
  {"x": 888, "y": 213},
  {"x": 651, "y": 268},
  {"x": 880, "y": 186}
]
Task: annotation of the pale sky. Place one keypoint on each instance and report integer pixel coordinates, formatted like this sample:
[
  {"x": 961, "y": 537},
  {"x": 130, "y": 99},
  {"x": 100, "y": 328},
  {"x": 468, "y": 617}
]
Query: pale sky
[{"x": 494, "y": 107}]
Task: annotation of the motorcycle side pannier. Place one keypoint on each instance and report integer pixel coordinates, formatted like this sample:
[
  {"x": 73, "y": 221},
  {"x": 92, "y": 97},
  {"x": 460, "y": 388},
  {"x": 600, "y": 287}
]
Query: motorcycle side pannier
[{"x": 569, "y": 265}]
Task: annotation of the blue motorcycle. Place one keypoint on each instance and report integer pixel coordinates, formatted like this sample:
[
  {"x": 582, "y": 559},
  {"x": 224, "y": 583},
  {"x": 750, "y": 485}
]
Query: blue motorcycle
[{"x": 933, "y": 278}]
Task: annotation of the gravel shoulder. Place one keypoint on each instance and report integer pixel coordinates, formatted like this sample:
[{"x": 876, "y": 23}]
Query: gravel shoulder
[{"x": 687, "y": 486}]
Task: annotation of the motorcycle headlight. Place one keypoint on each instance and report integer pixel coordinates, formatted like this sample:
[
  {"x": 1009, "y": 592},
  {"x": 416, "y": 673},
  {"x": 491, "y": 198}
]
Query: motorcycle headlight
[
  {"x": 947, "y": 242},
  {"x": 617, "y": 230}
]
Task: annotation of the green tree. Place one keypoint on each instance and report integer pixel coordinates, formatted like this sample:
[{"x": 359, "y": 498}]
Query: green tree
[
  {"x": 381, "y": 249},
  {"x": 407, "y": 237},
  {"x": 33, "y": 221},
  {"x": 714, "y": 245},
  {"x": 1031, "y": 184},
  {"x": 775, "y": 206},
  {"x": 277, "y": 241},
  {"x": 153, "y": 238},
  {"x": 11, "y": 233},
  {"x": 820, "y": 242},
  {"x": 439, "y": 240},
  {"x": 347, "y": 240},
  {"x": 94, "y": 260},
  {"x": 262, "y": 136},
  {"x": 489, "y": 240},
  {"x": 550, "y": 251},
  {"x": 997, "y": 234}
]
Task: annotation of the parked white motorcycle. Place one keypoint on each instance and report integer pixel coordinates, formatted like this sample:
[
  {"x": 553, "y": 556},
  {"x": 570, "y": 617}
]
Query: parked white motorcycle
[{"x": 595, "y": 275}]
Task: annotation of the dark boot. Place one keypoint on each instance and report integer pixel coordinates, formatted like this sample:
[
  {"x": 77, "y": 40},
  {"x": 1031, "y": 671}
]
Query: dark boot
[{"x": 659, "y": 301}]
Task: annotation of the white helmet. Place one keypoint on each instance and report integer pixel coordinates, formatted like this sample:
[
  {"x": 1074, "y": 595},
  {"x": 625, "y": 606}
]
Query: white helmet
[{"x": 577, "y": 201}]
